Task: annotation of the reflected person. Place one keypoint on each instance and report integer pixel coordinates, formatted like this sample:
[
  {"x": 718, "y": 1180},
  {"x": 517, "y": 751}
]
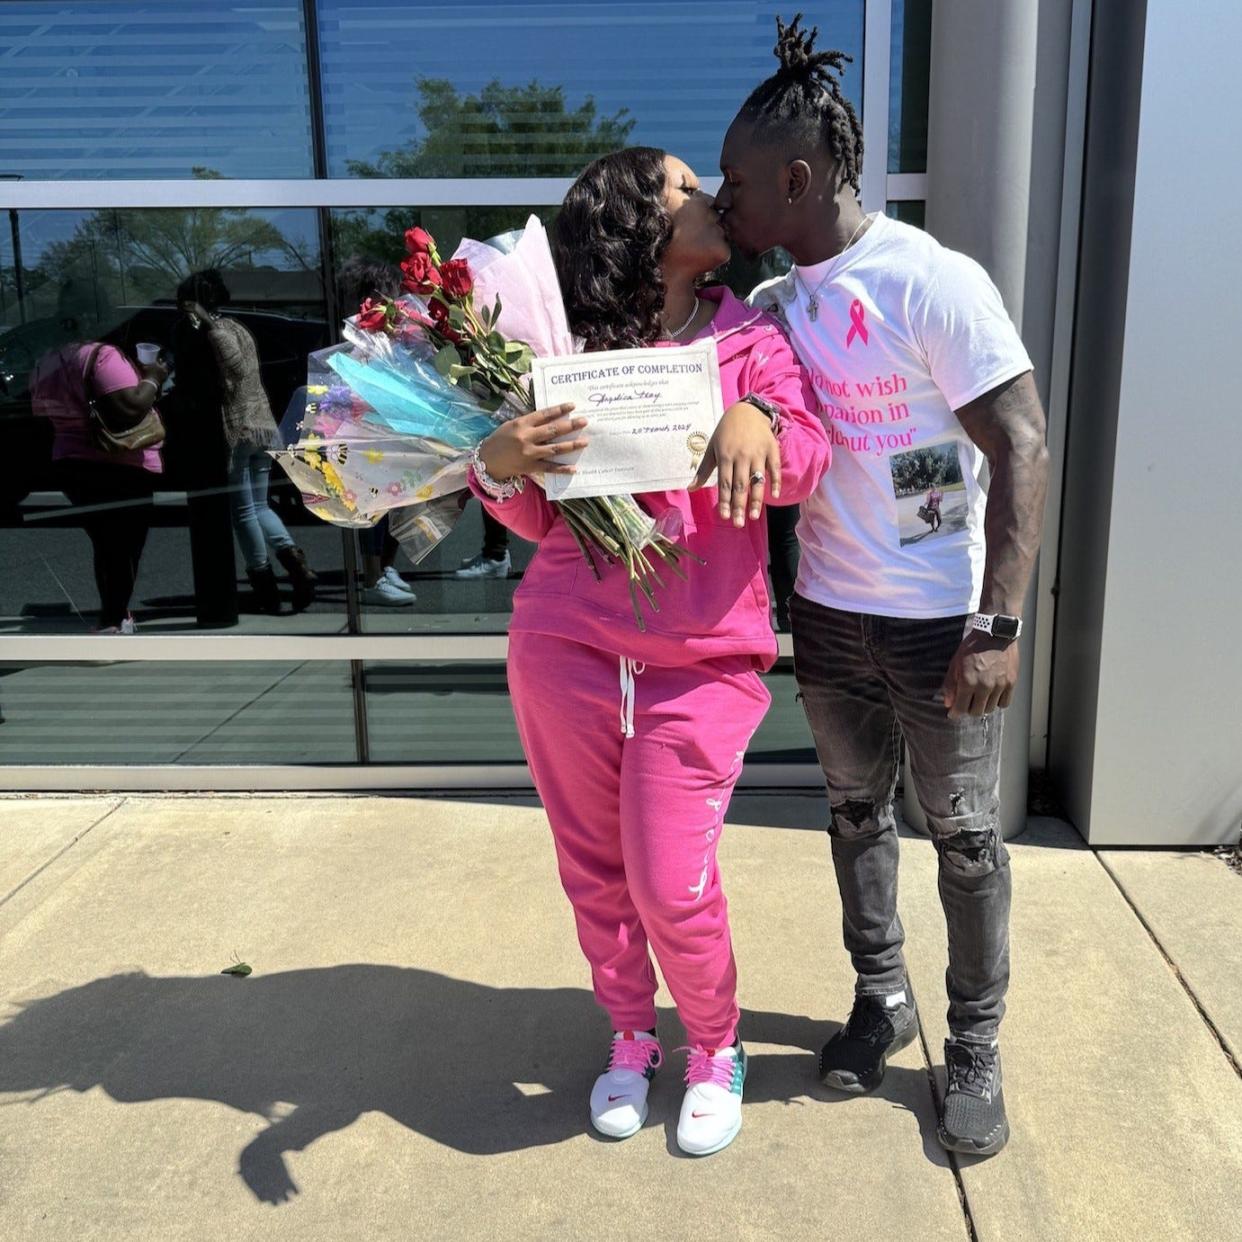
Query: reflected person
[
  {"x": 250, "y": 433},
  {"x": 113, "y": 489}
]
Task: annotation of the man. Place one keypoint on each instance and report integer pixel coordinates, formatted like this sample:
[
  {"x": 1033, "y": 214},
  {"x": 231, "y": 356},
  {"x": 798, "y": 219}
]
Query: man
[{"x": 913, "y": 358}]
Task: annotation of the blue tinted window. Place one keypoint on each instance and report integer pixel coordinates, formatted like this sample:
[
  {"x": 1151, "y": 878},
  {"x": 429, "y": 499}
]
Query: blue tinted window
[
  {"x": 422, "y": 88},
  {"x": 153, "y": 90},
  {"x": 910, "y": 52}
]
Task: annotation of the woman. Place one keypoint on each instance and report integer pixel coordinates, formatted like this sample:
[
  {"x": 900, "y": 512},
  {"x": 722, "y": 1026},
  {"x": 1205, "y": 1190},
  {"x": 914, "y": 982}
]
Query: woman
[
  {"x": 113, "y": 489},
  {"x": 249, "y": 432},
  {"x": 636, "y": 783}
]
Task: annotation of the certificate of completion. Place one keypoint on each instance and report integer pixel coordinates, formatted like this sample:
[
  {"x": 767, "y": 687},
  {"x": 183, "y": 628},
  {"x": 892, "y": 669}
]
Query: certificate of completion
[{"x": 650, "y": 415}]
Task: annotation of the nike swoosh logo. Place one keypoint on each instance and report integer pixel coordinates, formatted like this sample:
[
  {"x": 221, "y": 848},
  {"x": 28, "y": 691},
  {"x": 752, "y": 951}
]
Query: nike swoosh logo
[
  {"x": 612, "y": 1099},
  {"x": 696, "y": 1116}
]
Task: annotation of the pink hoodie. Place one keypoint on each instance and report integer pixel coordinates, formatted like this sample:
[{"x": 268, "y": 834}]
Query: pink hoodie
[{"x": 723, "y": 608}]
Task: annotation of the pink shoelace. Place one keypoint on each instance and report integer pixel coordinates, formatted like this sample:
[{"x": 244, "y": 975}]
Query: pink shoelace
[
  {"x": 638, "y": 1055},
  {"x": 706, "y": 1065}
]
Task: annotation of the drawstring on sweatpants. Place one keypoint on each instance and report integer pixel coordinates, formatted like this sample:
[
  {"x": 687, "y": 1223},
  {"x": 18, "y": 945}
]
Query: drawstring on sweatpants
[{"x": 629, "y": 670}]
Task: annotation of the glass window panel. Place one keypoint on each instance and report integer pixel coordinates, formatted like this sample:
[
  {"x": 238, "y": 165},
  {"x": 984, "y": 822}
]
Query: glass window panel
[
  {"x": 432, "y": 713},
  {"x": 784, "y": 736},
  {"x": 114, "y": 274},
  {"x": 911, "y": 211},
  {"x": 910, "y": 63},
  {"x": 122, "y": 88},
  {"x": 159, "y": 712},
  {"x": 428, "y": 89}
]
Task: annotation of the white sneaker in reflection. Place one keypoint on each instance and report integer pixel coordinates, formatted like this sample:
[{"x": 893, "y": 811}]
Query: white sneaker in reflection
[
  {"x": 384, "y": 595},
  {"x": 484, "y": 567},
  {"x": 393, "y": 578}
]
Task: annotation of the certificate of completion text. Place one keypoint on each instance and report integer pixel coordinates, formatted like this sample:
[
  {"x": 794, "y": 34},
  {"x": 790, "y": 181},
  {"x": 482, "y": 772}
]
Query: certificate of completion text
[{"x": 650, "y": 415}]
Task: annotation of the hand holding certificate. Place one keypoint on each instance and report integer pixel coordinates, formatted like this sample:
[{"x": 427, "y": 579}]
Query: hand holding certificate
[{"x": 651, "y": 414}]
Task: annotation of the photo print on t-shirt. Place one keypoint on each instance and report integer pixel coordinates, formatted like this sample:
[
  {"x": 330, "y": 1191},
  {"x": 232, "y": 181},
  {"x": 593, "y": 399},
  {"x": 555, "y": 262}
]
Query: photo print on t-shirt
[{"x": 931, "y": 492}]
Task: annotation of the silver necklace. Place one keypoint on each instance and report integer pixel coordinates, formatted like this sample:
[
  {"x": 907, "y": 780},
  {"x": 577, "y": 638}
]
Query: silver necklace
[
  {"x": 812, "y": 306},
  {"x": 694, "y": 310}
]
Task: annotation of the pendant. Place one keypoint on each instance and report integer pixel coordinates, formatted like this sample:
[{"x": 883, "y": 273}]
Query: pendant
[{"x": 812, "y": 308}]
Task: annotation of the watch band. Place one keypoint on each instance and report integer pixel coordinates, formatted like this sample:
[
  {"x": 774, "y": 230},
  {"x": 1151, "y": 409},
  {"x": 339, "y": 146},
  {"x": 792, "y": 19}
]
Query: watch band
[{"x": 997, "y": 623}]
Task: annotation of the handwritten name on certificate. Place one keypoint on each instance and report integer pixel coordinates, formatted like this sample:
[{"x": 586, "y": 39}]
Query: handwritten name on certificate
[{"x": 650, "y": 415}]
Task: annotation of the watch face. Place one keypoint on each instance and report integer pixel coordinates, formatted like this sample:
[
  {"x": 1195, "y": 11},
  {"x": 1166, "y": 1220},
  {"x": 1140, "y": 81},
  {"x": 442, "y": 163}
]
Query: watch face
[{"x": 1005, "y": 627}]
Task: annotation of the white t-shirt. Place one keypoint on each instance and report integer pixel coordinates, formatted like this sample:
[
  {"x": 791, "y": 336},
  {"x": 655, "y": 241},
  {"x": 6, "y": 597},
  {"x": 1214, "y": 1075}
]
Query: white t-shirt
[{"x": 906, "y": 332}]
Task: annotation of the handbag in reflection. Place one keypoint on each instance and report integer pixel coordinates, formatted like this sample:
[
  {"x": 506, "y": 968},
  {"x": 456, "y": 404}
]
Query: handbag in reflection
[{"x": 145, "y": 433}]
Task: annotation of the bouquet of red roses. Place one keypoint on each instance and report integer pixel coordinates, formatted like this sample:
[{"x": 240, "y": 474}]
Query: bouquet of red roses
[{"x": 431, "y": 374}]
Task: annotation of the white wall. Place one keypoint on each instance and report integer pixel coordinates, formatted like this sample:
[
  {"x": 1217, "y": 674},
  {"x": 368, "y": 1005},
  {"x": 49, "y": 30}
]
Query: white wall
[{"x": 1168, "y": 738}]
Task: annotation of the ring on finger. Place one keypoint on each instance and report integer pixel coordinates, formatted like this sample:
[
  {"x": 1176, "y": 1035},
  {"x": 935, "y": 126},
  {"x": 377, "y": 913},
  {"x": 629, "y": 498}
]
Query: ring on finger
[{"x": 756, "y": 479}]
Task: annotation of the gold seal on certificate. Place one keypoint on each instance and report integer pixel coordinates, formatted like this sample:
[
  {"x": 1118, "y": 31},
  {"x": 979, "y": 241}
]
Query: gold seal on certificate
[{"x": 650, "y": 416}]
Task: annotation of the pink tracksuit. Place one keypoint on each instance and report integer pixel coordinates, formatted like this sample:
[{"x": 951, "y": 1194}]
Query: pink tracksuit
[{"x": 635, "y": 739}]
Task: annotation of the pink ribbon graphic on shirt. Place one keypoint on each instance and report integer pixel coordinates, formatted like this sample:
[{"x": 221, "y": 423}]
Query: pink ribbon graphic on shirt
[{"x": 857, "y": 327}]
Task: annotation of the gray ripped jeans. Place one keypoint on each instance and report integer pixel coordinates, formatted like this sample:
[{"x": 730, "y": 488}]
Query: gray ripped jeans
[{"x": 866, "y": 681}]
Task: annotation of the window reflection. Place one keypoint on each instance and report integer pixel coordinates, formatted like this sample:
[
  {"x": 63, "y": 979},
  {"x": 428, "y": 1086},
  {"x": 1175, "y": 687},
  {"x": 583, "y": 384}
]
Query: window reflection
[
  {"x": 113, "y": 539},
  {"x": 417, "y": 88},
  {"x": 910, "y": 63}
]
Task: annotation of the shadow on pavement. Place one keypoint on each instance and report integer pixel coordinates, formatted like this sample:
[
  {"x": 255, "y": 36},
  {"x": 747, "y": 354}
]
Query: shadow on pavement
[{"x": 480, "y": 1069}]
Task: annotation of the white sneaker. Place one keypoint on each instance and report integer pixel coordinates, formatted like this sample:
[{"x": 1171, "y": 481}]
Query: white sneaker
[
  {"x": 385, "y": 595},
  {"x": 619, "y": 1097},
  {"x": 484, "y": 567},
  {"x": 391, "y": 576},
  {"x": 127, "y": 626},
  {"x": 711, "y": 1113}
]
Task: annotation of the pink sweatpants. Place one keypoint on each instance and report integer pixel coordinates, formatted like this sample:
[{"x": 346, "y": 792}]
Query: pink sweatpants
[{"x": 637, "y": 819}]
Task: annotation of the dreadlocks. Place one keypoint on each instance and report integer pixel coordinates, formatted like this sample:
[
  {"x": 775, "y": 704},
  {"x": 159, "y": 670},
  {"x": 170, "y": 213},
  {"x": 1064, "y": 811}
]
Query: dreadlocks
[{"x": 804, "y": 95}]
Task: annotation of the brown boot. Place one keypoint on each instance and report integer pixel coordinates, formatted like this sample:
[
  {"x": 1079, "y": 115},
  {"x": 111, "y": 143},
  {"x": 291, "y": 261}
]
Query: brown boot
[
  {"x": 300, "y": 574},
  {"x": 266, "y": 592}
]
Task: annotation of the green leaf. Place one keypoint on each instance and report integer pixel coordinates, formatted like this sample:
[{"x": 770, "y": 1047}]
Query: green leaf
[
  {"x": 459, "y": 372},
  {"x": 240, "y": 969},
  {"x": 496, "y": 310},
  {"x": 457, "y": 316},
  {"x": 446, "y": 358},
  {"x": 493, "y": 403}
]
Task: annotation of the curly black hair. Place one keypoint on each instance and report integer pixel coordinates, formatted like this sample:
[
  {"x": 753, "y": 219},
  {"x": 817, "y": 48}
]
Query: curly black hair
[
  {"x": 804, "y": 95},
  {"x": 207, "y": 288},
  {"x": 362, "y": 277},
  {"x": 607, "y": 243}
]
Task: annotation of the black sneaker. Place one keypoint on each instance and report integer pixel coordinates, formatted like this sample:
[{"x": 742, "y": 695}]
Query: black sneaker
[
  {"x": 973, "y": 1121},
  {"x": 855, "y": 1058}
]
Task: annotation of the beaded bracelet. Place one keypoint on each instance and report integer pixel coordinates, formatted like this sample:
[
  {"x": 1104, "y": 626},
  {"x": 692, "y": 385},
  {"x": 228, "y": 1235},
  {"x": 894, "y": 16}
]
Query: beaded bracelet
[{"x": 497, "y": 491}]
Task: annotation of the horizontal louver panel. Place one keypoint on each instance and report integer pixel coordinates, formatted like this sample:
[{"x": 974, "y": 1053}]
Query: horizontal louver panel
[
  {"x": 154, "y": 90},
  {"x": 680, "y": 70}
]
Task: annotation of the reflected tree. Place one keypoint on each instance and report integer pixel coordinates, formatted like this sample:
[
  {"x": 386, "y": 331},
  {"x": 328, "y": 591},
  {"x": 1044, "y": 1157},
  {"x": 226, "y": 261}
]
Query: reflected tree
[{"x": 503, "y": 131}]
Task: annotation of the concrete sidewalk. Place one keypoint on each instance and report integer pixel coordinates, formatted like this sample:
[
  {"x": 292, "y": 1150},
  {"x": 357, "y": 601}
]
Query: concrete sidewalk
[{"x": 412, "y": 1054}]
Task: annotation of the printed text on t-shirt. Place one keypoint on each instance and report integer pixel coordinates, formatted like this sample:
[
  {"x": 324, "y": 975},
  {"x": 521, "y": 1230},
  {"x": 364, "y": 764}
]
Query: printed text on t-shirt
[{"x": 840, "y": 401}]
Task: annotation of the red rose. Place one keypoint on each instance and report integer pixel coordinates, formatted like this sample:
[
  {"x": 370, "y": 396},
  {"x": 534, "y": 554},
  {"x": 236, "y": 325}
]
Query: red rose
[
  {"x": 420, "y": 274},
  {"x": 419, "y": 241},
  {"x": 457, "y": 279},
  {"x": 440, "y": 316},
  {"x": 372, "y": 316}
]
